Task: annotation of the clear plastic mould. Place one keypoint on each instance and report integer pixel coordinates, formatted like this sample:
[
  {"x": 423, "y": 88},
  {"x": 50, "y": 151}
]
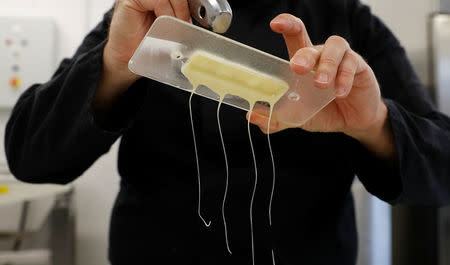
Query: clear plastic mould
[{"x": 170, "y": 43}]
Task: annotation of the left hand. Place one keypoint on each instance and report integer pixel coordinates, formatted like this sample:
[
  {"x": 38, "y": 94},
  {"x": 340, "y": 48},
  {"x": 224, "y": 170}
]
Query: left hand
[{"x": 358, "y": 109}]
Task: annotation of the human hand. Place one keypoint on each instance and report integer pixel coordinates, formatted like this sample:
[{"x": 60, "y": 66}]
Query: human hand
[
  {"x": 358, "y": 109},
  {"x": 130, "y": 22}
]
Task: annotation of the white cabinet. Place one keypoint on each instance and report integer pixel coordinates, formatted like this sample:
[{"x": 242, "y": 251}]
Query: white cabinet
[{"x": 27, "y": 55}]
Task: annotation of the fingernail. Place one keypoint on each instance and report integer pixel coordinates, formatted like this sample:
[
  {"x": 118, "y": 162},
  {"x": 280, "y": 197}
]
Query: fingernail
[
  {"x": 289, "y": 24},
  {"x": 339, "y": 91},
  {"x": 300, "y": 61},
  {"x": 322, "y": 78}
]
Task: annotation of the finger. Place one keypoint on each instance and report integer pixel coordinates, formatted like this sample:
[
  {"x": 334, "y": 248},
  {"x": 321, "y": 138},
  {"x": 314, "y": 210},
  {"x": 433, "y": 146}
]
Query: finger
[
  {"x": 346, "y": 74},
  {"x": 141, "y": 5},
  {"x": 181, "y": 9},
  {"x": 164, "y": 8},
  {"x": 305, "y": 59},
  {"x": 330, "y": 59},
  {"x": 262, "y": 121},
  {"x": 271, "y": 131},
  {"x": 294, "y": 32}
]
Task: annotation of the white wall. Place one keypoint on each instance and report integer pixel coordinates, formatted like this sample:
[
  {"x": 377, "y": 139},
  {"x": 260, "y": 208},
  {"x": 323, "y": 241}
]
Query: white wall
[
  {"x": 408, "y": 20},
  {"x": 96, "y": 8},
  {"x": 95, "y": 191}
]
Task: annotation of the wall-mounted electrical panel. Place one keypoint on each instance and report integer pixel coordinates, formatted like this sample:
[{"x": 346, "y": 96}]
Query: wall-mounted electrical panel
[{"x": 27, "y": 55}]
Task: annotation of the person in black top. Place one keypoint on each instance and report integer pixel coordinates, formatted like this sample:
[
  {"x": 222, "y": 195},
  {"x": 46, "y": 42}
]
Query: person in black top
[{"x": 382, "y": 127}]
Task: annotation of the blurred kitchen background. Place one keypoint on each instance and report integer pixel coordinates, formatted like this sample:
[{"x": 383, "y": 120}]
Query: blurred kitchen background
[{"x": 73, "y": 221}]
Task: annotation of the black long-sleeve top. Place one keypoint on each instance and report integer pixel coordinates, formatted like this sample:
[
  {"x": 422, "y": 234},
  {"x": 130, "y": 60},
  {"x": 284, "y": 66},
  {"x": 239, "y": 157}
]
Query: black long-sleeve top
[{"x": 52, "y": 137}]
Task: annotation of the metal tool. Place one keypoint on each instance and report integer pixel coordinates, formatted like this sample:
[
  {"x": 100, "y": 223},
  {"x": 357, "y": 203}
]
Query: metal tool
[{"x": 212, "y": 14}]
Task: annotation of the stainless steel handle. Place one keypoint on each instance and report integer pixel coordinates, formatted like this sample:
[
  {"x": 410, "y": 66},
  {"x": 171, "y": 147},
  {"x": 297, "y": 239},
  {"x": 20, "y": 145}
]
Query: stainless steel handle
[{"x": 212, "y": 14}]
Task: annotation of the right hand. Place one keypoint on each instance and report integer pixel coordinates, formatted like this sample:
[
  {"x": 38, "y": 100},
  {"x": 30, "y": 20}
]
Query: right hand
[{"x": 131, "y": 21}]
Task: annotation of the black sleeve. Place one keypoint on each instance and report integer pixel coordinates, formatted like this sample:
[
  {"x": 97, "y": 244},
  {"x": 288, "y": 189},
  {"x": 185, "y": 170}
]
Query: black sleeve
[
  {"x": 51, "y": 136},
  {"x": 421, "y": 171}
]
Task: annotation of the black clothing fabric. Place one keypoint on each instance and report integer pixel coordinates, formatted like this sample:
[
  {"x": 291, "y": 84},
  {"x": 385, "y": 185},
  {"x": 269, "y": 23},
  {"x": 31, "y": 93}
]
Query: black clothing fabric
[{"x": 52, "y": 137}]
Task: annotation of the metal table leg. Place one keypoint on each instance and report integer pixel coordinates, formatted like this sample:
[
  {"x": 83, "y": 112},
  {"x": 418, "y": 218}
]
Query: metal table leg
[{"x": 62, "y": 231}]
